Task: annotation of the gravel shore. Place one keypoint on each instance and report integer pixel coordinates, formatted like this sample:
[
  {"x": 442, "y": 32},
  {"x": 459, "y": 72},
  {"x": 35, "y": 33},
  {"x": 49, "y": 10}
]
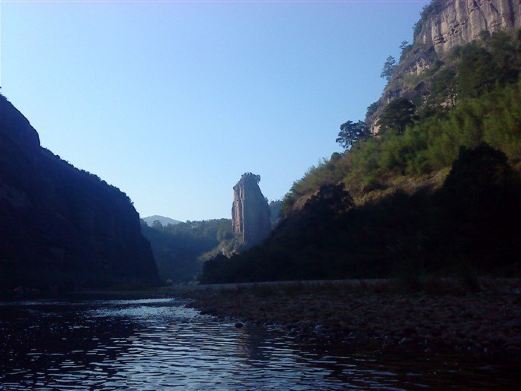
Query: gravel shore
[{"x": 440, "y": 317}]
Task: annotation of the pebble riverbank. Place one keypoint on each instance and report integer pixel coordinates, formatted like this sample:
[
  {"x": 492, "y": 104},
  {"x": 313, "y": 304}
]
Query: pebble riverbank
[{"x": 440, "y": 317}]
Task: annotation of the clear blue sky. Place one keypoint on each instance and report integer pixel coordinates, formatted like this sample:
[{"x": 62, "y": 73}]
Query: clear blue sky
[{"x": 172, "y": 101}]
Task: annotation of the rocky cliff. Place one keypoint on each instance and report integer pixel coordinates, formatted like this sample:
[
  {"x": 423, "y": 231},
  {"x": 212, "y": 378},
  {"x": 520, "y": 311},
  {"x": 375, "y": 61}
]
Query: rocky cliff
[
  {"x": 446, "y": 24},
  {"x": 60, "y": 226},
  {"x": 443, "y": 26},
  {"x": 250, "y": 211}
]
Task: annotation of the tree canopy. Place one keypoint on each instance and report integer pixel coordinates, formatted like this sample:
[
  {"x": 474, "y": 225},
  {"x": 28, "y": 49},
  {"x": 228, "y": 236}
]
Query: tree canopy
[
  {"x": 397, "y": 115},
  {"x": 389, "y": 68},
  {"x": 351, "y": 132}
]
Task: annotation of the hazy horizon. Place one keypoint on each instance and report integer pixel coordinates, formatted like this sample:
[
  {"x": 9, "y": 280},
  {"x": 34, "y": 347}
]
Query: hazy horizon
[{"x": 172, "y": 101}]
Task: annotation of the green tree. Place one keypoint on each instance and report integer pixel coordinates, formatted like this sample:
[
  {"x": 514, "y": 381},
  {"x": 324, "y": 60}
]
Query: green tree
[
  {"x": 443, "y": 90},
  {"x": 477, "y": 71},
  {"x": 373, "y": 107},
  {"x": 405, "y": 47},
  {"x": 389, "y": 68},
  {"x": 351, "y": 132},
  {"x": 397, "y": 115},
  {"x": 332, "y": 200},
  {"x": 477, "y": 171}
]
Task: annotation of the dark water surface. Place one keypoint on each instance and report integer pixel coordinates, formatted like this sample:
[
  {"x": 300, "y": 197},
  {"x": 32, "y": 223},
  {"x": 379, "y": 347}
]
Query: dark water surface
[{"x": 160, "y": 344}]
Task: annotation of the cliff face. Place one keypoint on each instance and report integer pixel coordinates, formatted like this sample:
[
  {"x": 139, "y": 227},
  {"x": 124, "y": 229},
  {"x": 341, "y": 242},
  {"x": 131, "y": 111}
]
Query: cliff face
[
  {"x": 452, "y": 23},
  {"x": 250, "y": 211},
  {"x": 60, "y": 226},
  {"x": 443, "y": 26}
]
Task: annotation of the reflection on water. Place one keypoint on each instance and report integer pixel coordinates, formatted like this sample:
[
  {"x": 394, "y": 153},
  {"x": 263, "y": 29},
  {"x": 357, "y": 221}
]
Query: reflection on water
[{"x": 161, "y": 344}]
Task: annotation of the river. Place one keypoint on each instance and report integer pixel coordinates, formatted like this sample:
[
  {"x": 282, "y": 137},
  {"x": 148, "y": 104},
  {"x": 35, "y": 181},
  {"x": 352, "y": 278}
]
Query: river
[{"x": 157, "y": 344}]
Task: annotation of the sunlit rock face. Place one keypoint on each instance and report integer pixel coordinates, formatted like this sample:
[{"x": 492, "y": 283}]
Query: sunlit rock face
[
  {"x": 445, "y": 25},
  {"x": 60, "y": 226},
  {"x": 250, "y": 211},
  {"x": 456, "y": 22}
]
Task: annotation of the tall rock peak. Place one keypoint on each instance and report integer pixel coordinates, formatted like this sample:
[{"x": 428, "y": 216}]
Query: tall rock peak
[{"x": 250, "y": 211}]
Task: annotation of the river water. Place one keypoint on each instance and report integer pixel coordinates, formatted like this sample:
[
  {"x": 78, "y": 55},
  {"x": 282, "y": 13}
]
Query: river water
[{"x": 158, "y": 344}]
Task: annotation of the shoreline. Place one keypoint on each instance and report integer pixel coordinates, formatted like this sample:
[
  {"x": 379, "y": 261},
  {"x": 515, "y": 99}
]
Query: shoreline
[{"x": 443, "y": 318}]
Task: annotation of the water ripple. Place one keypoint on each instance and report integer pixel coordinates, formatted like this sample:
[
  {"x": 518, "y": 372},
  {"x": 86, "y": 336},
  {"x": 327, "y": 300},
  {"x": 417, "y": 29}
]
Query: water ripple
[{"x": 162, "y": 344}]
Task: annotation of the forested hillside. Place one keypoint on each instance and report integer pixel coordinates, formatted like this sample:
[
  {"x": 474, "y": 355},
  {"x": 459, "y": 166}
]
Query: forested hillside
[
  {"x": 179, "y": 249},
  {"x": 428, "y": 185},
  {"x": 475, "y": 97},
  {"x": 62, "y": 228}
]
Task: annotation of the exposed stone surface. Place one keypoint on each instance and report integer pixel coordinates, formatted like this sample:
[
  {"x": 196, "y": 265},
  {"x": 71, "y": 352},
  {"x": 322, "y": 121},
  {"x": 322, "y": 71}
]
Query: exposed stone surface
[
  {"x": 456, "y": 22},
  {"x": 250, "y": 211},
  {"x": 60, "y": 226},
  {"x": 445, "y": 25}
]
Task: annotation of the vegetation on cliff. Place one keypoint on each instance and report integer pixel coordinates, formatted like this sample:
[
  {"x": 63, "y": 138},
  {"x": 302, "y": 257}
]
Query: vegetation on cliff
[
  {"x": 483, "y": 79},
  {"x": 456, "y": 146},
  {"x": 434, "y": 7},
  {"x": 468, "y": 226}
]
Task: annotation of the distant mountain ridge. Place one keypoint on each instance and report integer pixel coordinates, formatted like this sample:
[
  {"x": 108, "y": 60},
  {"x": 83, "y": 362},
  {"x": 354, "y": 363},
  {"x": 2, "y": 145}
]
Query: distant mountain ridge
[{"x": 162, "y": 219}]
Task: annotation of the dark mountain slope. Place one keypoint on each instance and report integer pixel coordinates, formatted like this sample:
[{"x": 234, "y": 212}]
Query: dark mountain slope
[{"x": 60, "y": 226}]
